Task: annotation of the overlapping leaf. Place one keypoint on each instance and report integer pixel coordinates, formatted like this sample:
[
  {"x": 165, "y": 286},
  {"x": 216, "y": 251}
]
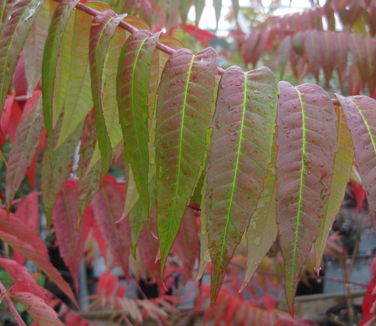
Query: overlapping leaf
[
  {"x": 88, "y": 177},
  {"x": 306, "y": 147},
  {"x": 262, "y": 230},
  {"x": 22, "y": 280},
  {"x": 33, "y": 49},
  {"x": 102, "y": 31},
  {"x": 24, "y": 145},
  {"x": 56, "y": 167},
  {"x": 69, "y": 232},
  {"x": 13, "y": 33},
  {"x": 218, "y": 9},
  {"x": 361, "y": 119},
  {"x": 363, "y": 52},
  {"x": 185, "y": 100},
  {"x": 78, "y": 101},
  {"x": 133, "y": 82},
  {"x": 18, "y": 235},
  {"x": 108, "y": 204},
  {"x": 52, "y": 51},
  {"x": 341, "y": 175},
  {"x": 199, "y": 8},
  {"x": 38, "y": 309},
  {"x": 238, "y": 157},
  {"x": 186, "y": 245},
  {"x": 27, "y": 212}
]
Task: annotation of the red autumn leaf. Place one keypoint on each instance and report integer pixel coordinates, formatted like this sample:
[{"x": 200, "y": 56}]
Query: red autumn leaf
[
  {"x": 24, "y": 146},
  {"x": 360, "y": 116},
  {"x": 359, "y": 195},
  {"x": 199, "y": 34},
  {"x": 10, "y": 117},
  {"x": 148, "y": 247},
  {"x": 69, "y": 233},
  {"x": 73, "y": 319},
  {"x": 108, "y": 285},
  {"x": 304, "y": 172},
  {"x": 23, "y": 281},
  {"x": 108, "y": 205},
  {"x": 186, "y": 245},
  {"x": 38, "y": 309},
  {"x": 18, "y": 235},
  {"x": 27, "y": 211},
  {"x": 19, "y": 77}
]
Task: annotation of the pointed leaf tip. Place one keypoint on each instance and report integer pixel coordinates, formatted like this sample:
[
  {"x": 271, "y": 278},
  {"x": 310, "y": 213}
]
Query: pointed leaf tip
[
  {"x": 238, "y": 157},
  {"x": 182, "y": 121},
  {"x": 360, "y": 113},
  {"x": 304, "y": 172}
]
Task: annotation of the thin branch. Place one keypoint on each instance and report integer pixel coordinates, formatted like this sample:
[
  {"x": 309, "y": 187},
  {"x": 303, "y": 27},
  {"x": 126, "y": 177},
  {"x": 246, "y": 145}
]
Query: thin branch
[{"x": 130, "y": 28}]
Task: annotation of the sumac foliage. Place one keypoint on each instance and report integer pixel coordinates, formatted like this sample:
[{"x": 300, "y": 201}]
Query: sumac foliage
[{"x": 231, "y": 151}]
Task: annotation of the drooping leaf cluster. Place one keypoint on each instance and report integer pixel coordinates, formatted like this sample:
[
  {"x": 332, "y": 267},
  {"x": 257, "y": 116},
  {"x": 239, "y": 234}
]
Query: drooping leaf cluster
[
  {"x": 312, "y": 42},
  {"x": 260, "y": 158}
]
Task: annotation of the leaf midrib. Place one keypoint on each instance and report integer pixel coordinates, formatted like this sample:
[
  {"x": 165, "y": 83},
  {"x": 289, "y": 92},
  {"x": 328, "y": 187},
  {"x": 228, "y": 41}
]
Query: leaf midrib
[
  {"x": 236, "y": 167},
  {"x": 365, "y": 121},
  {"x": 12, "y": 38},
  {"x": 300, "y": 189},
  {"x": 181, "y": 131}
]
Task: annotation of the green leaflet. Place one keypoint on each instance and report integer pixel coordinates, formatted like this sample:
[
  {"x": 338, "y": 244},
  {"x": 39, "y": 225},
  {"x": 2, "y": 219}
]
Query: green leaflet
[
  {"x": 341, "y": 175},
  {"x": 33, "y": 49},
  {"x": 239, "y": 154},
  {"x": 185, "y": 100},
  {"x": 262, "y": 230},
  {"x": 50, "y": 65},
  {"x": 88, "y": 177},
  {"x": 199, "y": 8},
  {"x": 78, "y": 102},
  {"x": 305, "y": 159},
  {"x": 102, "y": 31},
  {"x": 13, "y": 34},
  {"x": 133, "y": 83},
  {"x": 3, "y": 7},
  {"x": 24, "y": 146},
  {"x": 56, "y": 167},
  {"x": 184, "y": 6},
  {"x": 235, "y": 8},
  {"x": 218, "y": 9}
]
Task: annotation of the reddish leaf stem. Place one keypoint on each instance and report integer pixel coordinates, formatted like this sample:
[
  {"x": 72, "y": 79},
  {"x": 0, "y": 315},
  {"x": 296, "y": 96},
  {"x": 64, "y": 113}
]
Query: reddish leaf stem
[
  {"x": 11, "y": 306},
  {"x": 130, "y": 28}
]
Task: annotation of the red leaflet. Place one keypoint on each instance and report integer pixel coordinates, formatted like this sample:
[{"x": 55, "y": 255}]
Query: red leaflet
[
  {"x": 19, "y": 77},
  {"x": 11, "y": 307},
  {"x": 359, "y": 194},
  {"x": 108, "y": 285},
  {"x": 304, "y": 172},
  {"x": 187, "y": 243},
  {"x": 38, "y": 309},
  {"x": 73, "y": 319},
  {"x": 148, "y": 247},
  {"x": 199, "y": 34},
  {"x": 18, "y": 235},
  {"x": 25, "y": 144},
  {"x": 369, "y": 298},
  {"x": 23, "y": 281},
  {"x": 107, "y": 206},
  {"x": 10, "y": 117},
  {"x": 69, "y": 235},
  {"x": 361, "y": 116},
  {"x": 27, "y": 212}
]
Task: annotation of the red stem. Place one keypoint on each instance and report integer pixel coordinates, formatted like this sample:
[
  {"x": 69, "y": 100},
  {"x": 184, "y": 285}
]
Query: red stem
[
  {"x": 11, "y": 306},
  {"x": 130, "y": 28}
]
